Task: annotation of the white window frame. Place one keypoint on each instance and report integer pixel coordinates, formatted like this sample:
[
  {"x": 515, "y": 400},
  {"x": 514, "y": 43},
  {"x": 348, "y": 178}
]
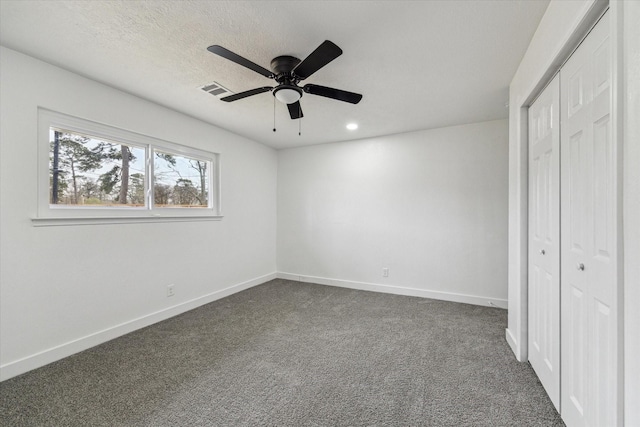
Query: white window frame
[{"x": 70, "y": 215}]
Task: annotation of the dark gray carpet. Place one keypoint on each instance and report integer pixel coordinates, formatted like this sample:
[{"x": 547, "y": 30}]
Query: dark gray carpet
[{"x": 293, "y": 354}]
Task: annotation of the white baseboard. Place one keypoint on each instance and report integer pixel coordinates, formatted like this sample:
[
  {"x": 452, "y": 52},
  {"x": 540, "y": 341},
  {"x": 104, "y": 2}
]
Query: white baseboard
[
  {"x": 61, "y": 351},
  {"x": 398, "y": 290}
]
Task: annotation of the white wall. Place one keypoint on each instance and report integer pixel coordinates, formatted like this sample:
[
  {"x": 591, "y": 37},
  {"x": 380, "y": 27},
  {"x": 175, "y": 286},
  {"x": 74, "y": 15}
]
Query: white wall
[
  {"x": 66, "y": 288},
  {"x": 631, "y": 188},
  {"x": 559, "y": 30},
  {"x": 430, "y": 205}
]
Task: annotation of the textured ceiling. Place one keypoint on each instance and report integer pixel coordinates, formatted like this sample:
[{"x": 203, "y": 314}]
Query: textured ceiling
[{"x": 419, "y": 64}]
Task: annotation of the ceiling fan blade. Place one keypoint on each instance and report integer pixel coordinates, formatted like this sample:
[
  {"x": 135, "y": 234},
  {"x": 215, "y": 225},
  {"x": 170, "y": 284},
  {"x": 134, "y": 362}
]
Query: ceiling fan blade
[
  {"x": 295, "y": 110},
  {"x": 320, "y": 57},
  {"x": 329, "y": 92},
  {"x": 245, "y": 94},
  {"x": 226, "y": 53}
]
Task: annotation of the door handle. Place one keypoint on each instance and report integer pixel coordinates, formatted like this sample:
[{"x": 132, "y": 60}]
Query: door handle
[
  {"x": 580, "y": 266},
  {"x": 542, "y": 252}
]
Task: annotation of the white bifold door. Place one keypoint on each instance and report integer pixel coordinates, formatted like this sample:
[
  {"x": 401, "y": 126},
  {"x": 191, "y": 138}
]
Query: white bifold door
[
  {"x": 588, "y": 224},
  {"x": 544, "y": 239},
  {"x": 573, "y": 237}
]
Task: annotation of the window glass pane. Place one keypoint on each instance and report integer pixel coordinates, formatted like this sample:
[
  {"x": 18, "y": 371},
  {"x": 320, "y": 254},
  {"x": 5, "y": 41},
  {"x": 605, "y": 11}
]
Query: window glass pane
[
  {"x": 180, "y": 181},
  {"x": 88, "y": 172}
]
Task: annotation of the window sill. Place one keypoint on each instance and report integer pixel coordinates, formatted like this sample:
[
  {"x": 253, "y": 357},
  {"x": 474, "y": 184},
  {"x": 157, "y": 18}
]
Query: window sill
[{"x": 64, "y": 221}]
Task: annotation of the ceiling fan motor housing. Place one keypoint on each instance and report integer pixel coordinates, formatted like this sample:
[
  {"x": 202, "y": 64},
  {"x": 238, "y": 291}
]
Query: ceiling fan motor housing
[{"x": 282, "y": 67}]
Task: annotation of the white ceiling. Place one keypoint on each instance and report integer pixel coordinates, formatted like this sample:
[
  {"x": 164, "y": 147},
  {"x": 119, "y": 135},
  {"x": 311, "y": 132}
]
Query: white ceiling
[{"x": 419, "y": 64}]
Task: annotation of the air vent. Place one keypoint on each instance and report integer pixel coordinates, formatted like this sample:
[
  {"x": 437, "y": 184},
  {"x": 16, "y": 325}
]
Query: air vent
[{"x": 216, "y": 89}]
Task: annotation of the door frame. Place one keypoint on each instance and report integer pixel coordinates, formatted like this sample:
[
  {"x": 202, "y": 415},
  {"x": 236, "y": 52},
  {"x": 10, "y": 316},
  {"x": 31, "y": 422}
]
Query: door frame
[{"x": 517, "y": 331}]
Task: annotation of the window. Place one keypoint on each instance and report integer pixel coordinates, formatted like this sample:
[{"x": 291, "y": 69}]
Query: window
[
  {"x": 93, "y": 173},
  {"x": 89, "y": 172},
  {"x": 180, "y": 181}
]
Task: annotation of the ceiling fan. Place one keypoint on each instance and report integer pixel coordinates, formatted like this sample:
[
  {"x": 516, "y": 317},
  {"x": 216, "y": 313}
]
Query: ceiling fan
[{"x": 288, "y": 71}]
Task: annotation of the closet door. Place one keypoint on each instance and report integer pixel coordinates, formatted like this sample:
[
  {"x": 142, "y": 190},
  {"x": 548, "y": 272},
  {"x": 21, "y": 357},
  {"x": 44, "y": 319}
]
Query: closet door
[
  {"x": 544, "y": 239},
  {"x": 588, "y": 236}
]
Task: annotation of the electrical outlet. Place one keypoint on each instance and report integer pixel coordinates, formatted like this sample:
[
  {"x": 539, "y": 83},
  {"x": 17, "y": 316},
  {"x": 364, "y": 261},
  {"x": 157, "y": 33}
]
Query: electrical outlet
[
  {"x": 170, "y": 290},
  {"x": 385, "y": 272}
]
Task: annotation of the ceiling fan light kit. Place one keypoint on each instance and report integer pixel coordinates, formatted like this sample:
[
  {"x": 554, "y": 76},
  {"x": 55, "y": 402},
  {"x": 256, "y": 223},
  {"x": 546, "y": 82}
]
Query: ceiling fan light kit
[
  {"x": 288, "y": 71},
  {"x": 287, "y": 94}
]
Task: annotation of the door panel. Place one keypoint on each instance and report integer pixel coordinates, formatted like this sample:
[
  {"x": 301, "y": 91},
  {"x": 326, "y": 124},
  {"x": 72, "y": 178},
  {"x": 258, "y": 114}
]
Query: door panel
[
  {"x": 576, "y": 194},
  {"x": 574, "y": 348},
  {"x": 603, "y": 199},
  {"x": 602, "y": 363},
  {"x": 588, "y": 209},
  {"x": 544, "y": 233}
]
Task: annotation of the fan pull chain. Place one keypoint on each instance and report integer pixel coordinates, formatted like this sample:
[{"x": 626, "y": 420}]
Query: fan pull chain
[
  {"x": 274, "y": 113},
  {"x": 300, "y": 120}
]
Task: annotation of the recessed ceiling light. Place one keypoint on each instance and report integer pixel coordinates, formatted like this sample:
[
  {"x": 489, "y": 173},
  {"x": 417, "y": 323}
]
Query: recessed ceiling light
[{"x": 352, "y": 126}]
